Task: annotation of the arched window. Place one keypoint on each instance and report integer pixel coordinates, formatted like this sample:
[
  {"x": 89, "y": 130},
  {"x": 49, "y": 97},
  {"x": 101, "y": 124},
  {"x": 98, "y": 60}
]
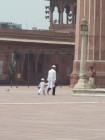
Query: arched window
[
  {"x": 55, "y": 16},
  {"x": 66, "y": 14},
  {"x": 70, "y": 16}
]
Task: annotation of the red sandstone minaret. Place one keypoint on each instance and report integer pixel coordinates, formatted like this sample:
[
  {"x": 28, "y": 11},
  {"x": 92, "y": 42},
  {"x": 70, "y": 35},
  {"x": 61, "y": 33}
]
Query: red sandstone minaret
[{"x": 94, "y": 12}]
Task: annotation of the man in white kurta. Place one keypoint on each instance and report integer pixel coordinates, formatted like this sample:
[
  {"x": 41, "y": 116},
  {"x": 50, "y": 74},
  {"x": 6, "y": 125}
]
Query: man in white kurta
[{"x": 51, "y": 80}]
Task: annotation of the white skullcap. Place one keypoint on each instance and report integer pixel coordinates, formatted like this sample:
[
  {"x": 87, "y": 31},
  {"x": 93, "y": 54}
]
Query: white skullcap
[
  {"x": 53, "y": 66},
  {"x": 42, "y": 79}
]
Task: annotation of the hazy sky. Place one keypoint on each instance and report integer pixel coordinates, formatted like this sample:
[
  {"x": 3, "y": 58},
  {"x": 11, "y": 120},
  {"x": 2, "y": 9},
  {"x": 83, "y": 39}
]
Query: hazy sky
[{"x": 29, "y": 13}]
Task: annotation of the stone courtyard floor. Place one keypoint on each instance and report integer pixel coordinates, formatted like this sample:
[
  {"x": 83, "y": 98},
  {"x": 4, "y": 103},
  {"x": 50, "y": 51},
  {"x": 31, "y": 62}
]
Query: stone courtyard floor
[{"x": 25, "y": 115}]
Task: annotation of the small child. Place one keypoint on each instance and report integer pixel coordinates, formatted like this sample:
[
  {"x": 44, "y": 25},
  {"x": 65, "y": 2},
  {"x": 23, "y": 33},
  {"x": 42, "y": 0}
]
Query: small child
[{"x": 41, "y": 87}]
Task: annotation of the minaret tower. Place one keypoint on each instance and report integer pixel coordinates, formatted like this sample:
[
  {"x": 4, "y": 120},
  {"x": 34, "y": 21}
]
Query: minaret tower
[{"x": 94, "y": 12}]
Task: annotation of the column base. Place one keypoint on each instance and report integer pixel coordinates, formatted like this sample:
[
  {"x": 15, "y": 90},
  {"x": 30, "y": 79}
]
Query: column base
[{"x": 82, "y": 84}]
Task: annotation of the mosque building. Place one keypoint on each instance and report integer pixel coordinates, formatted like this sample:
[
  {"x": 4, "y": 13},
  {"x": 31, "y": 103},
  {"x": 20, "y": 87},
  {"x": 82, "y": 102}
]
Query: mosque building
[{"x": 27, "y": 55}]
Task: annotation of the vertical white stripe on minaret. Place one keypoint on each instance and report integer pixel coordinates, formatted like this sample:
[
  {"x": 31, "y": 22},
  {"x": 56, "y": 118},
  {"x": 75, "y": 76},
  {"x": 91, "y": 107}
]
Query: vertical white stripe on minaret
[
  {"x": 94, "y": 27},
  {"x": 88, "y": 29},
  {"x": 84, "y": 8},
  {"x": 100, "y": 29}
]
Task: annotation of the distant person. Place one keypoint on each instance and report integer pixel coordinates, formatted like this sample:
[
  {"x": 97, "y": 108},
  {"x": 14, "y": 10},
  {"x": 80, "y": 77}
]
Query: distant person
[
  {"x": 92, "y": 75},
  {"x": 51, "y": 80},
  {"x": 42, "y": 86}
]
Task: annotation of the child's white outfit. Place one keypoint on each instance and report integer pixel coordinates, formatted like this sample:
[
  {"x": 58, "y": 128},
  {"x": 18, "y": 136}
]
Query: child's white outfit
[{"x": 42, "y": 86}]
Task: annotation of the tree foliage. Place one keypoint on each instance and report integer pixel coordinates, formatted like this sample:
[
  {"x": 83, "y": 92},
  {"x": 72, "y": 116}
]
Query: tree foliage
[{"x": 12, "y": 64}]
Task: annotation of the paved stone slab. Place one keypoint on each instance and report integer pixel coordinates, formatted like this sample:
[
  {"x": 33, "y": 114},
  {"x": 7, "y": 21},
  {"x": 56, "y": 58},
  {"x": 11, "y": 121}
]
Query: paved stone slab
[
  {"x": 24, "y": 115},
  {"x": 89, "y": 92}
]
